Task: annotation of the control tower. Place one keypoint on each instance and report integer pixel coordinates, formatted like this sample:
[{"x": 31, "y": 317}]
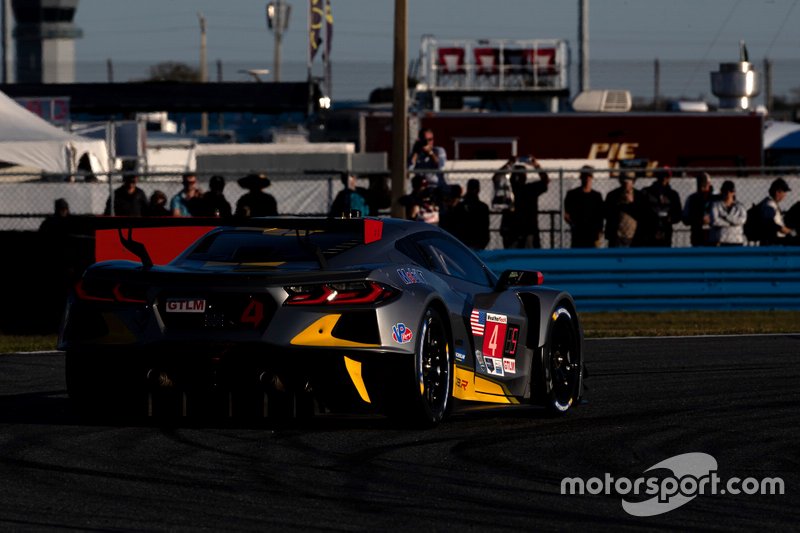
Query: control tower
[{"x": 45, "y": 40}]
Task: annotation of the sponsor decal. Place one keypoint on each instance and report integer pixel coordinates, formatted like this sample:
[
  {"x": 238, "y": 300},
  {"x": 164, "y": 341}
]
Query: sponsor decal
[
  {"x": 402, "y": 333},
  {"x": 461, "y": 356},
  {"x": 186, "y": 305},
  {"x": 501, "y": 319},
  {"x": 510, "y": 366},
  {"x": 494, "y": 366},
  {"x": 411, "y": 275},
  {"x": 478, "y": 321},
  {"x": 481, "y": 364},
  {"x": 462, "y": 384}
]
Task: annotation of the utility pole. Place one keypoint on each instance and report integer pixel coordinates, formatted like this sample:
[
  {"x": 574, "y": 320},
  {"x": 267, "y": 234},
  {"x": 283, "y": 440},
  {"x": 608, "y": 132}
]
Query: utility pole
[
  {"x": 277, "y": 27},
  {"x": 399, "y": 106},
  {"x": 203, "y": 69},
  {"x": 6, "y": 37},
  {"x": 583, "y": 38}
]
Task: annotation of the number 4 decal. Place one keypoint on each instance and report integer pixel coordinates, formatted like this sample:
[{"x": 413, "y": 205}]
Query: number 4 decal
[
  {"x": 494, "y": 331},
  {"x": 253, "y": 313}
]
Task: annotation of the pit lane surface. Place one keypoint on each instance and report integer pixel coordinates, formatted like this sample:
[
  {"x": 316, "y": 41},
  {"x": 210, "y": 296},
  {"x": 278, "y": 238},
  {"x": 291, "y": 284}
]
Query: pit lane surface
[{"x": 735, "y": 398}]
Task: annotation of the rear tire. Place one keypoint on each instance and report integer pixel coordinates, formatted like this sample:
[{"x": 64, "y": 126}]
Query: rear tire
[{"x": 426, "y": 399}]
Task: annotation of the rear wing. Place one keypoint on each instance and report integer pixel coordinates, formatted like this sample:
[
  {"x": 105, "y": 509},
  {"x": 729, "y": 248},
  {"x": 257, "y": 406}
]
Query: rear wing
[{"x": 161, "y": 239}]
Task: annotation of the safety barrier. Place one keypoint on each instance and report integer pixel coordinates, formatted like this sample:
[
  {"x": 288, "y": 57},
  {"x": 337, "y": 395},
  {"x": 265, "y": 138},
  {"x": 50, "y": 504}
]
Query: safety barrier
[{"x": 659, "y": 279}]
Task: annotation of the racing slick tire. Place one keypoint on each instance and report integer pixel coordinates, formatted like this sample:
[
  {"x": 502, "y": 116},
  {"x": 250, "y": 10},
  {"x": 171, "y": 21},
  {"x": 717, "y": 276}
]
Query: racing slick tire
[
  {"x": 425, "y": 400},
  {"x": 562, "y": 363}
]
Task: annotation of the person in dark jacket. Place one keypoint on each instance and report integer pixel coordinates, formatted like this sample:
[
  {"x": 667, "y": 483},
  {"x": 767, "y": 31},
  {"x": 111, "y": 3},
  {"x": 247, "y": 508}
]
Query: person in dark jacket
[
  {"x": 696, "y": 210},
  {"x": 213, "y": 202},
  {"x": 471, "y": 218},
  {"x": 623, "y": 210},
  {"x": 351, "y": 198},
  {"x": 583, "y": 211},
  {"x": 663, "y": 211},
  {"x": 129, "y": 199}
]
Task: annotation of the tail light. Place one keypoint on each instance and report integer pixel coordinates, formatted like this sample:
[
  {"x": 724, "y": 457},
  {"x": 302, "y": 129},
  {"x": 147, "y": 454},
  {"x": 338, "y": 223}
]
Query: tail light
[
  {"x": 348, "y": 293},
  {"x": 109, "y": 291}
]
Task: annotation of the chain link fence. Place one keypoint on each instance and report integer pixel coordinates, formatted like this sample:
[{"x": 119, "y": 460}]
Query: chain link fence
[{"x": 27, "y": 199}]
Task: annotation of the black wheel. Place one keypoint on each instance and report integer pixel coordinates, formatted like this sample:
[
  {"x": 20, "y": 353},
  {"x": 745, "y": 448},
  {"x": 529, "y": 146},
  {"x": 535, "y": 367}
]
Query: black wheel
[
  {"x": 427, "y": 399},
  {"x": 562, "y": 363}
]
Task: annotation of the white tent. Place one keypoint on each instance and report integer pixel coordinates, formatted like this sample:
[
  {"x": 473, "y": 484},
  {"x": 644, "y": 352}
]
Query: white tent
[{"x": 28, "y": 140}]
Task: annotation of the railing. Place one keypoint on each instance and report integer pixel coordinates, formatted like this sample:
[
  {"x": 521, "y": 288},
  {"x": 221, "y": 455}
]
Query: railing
[{"x": 493, "y": 65}]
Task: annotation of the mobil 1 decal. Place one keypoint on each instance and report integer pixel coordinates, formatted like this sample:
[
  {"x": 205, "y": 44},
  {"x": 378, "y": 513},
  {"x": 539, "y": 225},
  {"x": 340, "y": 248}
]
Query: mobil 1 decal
[{"x": 499, "y": 341}]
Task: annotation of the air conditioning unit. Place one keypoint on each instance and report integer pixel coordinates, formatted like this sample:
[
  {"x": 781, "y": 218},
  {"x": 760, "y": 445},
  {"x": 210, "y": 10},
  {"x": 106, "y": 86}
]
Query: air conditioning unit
[{"x": 603, "y": 101}]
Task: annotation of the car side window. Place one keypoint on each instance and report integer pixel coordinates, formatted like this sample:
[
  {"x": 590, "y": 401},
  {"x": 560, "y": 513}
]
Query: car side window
[{"x": 450, "y": 258}]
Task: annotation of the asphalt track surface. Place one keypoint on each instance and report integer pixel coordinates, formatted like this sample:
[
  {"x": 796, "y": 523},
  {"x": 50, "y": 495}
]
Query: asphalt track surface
[{"x": 735, "y": 398}]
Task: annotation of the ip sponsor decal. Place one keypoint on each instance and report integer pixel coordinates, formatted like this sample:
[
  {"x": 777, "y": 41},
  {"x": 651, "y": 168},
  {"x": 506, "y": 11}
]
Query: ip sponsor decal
[
  {"x": 401, "y": 333},
  {"x": 186, "y": 305},
  {"x": 494, "y": 366},
  {"x": 409, "y": 276}
]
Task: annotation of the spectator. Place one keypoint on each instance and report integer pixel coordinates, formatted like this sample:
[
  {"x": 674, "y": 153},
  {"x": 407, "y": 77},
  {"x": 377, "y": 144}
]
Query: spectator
[
  {"x": 448, "y": 218},
  {"x": 158, "y": 205},
  {"x": 185, "y": 203},
  {"x": 129, "y": 200},
  {"x": 471, "y": 218},
  {"x": 583, "y": 211},
  {"x": 256, "y": 203},
  {"x": 213, "y": 202},
  {"x": 54, "y": 225},
  {"x": 351, "y": 198},
  {"x": 428, "y": 160},
  {"x": 524, "y": 231},
  {"x": 419, "y": 205},
  {"x": 623, "y": 210},
  {"x": 727, "y": 217},
  {"x": 774, "y": 229},
  {"x": 695, "y": 210},
  {"x": 663, "y": 211}
]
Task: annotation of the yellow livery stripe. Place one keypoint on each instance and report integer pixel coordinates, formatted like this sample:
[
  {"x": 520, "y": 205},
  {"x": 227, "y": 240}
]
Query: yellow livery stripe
[
  {"x": 465, "y": 383},
  {"x": 319, "y": 334},
  {"x": 354, "y": 369}
]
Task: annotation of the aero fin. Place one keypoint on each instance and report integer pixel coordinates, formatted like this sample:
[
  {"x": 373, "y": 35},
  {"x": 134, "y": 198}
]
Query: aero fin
[{"x": 136, "y": 248}]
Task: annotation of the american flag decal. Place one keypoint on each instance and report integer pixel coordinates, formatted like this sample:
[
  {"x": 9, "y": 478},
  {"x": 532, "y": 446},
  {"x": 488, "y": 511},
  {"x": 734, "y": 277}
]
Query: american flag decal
[{"x": 478, "y": 322}]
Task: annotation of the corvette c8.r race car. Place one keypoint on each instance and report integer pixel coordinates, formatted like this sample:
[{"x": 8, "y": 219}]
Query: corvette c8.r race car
[{"x": 290, "y": 316}]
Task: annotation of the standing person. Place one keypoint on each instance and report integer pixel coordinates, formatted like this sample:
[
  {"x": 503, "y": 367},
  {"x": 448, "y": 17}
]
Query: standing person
[
  {"x": 695, "y": 210},
  {"x": 623, "y": 210},
  {"x": 428, "y": 160},
  {"x": 158, "y": 205},
  {"x": 256, "y": 203},
  {"x": 129, "y": 199},
  {"x": 583, "y": 211},
  {"x": 774, "y": 230},
  {"x": 351, "y": 198},
  {"x": 185, "y": 201},
  {"x": 471, "y": 218},
  {"x": 55, "y": 225},
  {"x": 727, "y": 217},
  {"x": 664, "y": 210},
  {"x": 526, "y": 203},
  {"x": 448, "y": 218},
  {"x": 213, "y": 202},
  {"x": 419, "y": 205}
]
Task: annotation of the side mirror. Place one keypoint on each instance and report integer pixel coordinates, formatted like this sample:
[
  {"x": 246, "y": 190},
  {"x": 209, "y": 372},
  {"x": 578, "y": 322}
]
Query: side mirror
[{"x": 518, "y": 278}]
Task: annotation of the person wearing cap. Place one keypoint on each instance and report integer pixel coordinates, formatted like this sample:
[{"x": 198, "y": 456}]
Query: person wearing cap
[
  {"x": 624, "y": 207},
  {"x": 663, "y": 211},
  {"x": 775, "y": 230},
  {"x": 695, "y": 210},
  {"x": 727, "y": 218},
  {"x": 256, "y": 203},
  {"x": 213, "y": 202},
  {"x": 583, "y": 211}
]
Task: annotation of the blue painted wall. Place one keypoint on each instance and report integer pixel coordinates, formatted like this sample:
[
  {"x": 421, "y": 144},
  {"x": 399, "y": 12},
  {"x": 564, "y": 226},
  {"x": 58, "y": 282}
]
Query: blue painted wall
[{"x": 656, "y": 279}]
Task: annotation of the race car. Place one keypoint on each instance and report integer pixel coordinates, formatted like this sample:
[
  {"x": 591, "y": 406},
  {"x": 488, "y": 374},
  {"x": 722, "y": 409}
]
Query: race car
[{"x": 287, "y": 316}]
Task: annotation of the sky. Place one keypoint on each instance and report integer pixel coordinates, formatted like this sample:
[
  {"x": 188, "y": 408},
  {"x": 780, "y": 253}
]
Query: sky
[{"x": 136, "y": 34}]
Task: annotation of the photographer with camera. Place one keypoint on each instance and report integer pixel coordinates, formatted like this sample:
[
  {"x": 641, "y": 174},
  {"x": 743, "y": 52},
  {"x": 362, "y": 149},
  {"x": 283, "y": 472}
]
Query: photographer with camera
[{"x": 428, "y": 160}]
